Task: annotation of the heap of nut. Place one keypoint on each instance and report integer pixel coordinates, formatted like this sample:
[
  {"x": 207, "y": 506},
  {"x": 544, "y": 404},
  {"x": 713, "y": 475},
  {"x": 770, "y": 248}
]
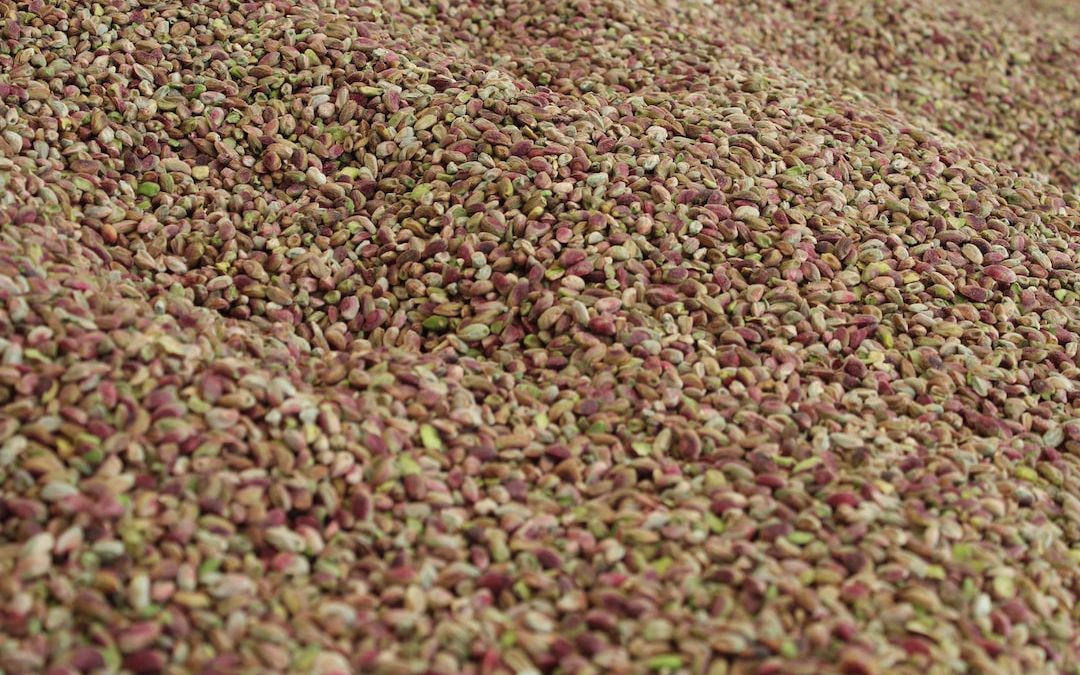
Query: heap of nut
[{"x": 524, "y": 337}]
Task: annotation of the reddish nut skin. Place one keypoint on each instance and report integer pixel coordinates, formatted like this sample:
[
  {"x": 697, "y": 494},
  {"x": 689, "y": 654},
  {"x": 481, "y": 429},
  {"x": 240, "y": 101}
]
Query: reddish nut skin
[
  {"x": 1000, "y": 273},
  {"x": 843, "y": 499},
  {"x": 145, "y": 662},
  {"x": 85, "y": 659},
  {"x": 914, "y": 646},
  {"x": 222, "y": 664},
  {"x": 856, "y": 663}
]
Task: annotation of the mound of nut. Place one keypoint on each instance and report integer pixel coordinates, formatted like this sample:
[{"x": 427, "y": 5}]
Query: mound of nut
[{"x": 520, "y": 337}]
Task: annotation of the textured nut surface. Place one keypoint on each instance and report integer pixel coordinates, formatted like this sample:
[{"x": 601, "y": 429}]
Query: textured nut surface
[{"x": 575, "y": 337}]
